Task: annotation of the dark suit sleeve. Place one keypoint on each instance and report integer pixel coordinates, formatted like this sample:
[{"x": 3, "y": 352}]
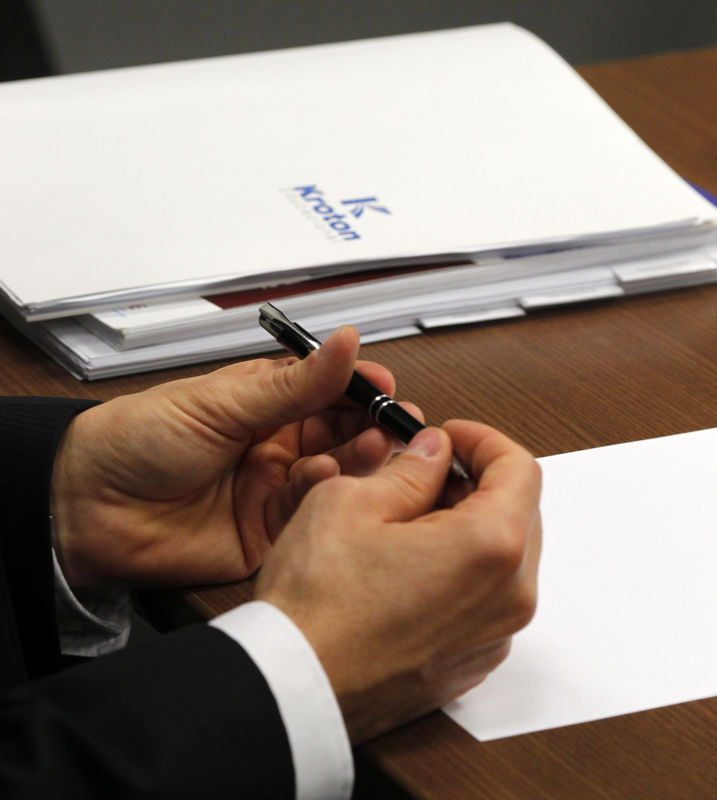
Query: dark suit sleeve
[
  {"x": 186, "y": 715},
  {"x": 30, "y": 430}
]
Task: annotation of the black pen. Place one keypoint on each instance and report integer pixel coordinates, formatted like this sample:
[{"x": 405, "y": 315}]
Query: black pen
[{"x": 382, "y": 409}]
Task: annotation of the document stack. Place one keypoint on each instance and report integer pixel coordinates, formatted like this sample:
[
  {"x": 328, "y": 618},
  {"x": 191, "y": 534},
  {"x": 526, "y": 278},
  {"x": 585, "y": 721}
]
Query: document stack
[{"x": 398, "y": 184}]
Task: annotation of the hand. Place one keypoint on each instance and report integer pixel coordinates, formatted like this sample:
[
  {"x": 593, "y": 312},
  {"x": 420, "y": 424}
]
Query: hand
[
  {"x": 191, "y": 481},
  {"x": 408, "y": 605}
]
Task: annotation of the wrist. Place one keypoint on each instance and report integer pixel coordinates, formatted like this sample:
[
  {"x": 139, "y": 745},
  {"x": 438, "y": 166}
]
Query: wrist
[{"x": 353, "y": 669}]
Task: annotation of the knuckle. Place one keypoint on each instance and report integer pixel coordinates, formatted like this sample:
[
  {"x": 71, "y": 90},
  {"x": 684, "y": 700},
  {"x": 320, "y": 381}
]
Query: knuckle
[
  {"x": 507, "y": 549},
  {"x": 535, "y": 473},
  {"x": 525, "y": 603},
  {"x": 285, "y": 381},
  {"x": 281, "y": 389},
  {"x": 255, "y": 365},
  {"x": 412, "y": 486},
  {"x": 261, "y": 364},
  {"x": 497, "y": 651}
]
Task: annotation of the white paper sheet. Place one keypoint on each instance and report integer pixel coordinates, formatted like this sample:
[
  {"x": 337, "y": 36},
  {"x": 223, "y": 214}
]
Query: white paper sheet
[{"x": 627, "y": 612}]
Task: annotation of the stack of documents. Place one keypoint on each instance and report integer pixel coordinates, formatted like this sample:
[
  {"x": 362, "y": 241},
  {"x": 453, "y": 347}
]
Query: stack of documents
[{"x": 398, "y": 184}]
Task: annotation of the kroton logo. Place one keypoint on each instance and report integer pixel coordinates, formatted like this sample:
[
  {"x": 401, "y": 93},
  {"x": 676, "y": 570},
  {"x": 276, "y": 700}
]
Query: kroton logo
[
  {"x": 360, "y": 204},
  {"x": 336, "y": 226}
]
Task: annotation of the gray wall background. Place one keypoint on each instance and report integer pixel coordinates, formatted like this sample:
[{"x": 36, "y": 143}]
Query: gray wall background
[{"x": 96, "y": 34}]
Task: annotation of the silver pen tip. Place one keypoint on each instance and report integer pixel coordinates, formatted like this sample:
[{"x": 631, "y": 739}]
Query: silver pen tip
[{"x": 459, "y": 469}]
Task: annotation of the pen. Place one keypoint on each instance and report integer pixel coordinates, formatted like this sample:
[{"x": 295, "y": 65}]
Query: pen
[{"x": 382, "y": 409}]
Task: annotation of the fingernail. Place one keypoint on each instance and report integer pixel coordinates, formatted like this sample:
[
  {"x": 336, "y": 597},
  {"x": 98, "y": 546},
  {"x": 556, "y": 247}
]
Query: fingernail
[{"x": 426, "y": 443}]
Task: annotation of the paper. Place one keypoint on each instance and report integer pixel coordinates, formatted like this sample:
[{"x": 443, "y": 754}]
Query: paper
[
  {"x": 197, "y": 177},
  {"x": 89, "y": 358},
  {"x": 627, "y": 609},
  {"x": 428, "y": 297}
]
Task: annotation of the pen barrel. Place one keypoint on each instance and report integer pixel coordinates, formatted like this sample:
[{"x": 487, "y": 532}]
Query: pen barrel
[
  {"x": 361, "y": 391},
  {"x": 388, "y": 414},
  {"x": 384, "y": 410}
]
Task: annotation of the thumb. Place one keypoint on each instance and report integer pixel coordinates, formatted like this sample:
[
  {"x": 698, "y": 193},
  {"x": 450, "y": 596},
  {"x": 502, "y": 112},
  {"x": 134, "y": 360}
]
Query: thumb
[
  {"x": 410, "y": 484},
  {"x": 285, "y": 391}
]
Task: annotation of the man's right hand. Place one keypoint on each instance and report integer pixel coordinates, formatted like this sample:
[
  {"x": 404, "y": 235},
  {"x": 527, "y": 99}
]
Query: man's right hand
[{"x": 408, "y": 604}]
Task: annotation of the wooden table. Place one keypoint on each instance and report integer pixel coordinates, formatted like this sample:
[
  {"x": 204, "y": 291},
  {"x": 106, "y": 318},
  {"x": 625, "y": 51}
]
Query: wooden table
[{"x": 560, "y": 380}]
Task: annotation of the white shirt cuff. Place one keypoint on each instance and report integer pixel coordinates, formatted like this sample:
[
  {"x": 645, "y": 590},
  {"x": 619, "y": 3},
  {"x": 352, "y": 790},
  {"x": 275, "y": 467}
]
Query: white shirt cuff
[
  {"x": 320, "y": 747},
  {"x": 93, "y": 621}
]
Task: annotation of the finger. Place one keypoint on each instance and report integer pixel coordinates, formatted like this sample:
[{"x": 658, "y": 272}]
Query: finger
[
  {"x": 325, "y": 431},
  {"x": 305, "y": 474},
  {"x": 409, "y": 484},
  {"x": 471, "y": 662},
  {"x": 381, "y": 377},
  {"x": 505, "y": 505},
  {"x": 233, "y": 401},
  {"x": 503, "y": 468},
  {"x": 377, "y": 374},
  {"x": 455, "y": 490},
  {"x": 365, "y": 453}
]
